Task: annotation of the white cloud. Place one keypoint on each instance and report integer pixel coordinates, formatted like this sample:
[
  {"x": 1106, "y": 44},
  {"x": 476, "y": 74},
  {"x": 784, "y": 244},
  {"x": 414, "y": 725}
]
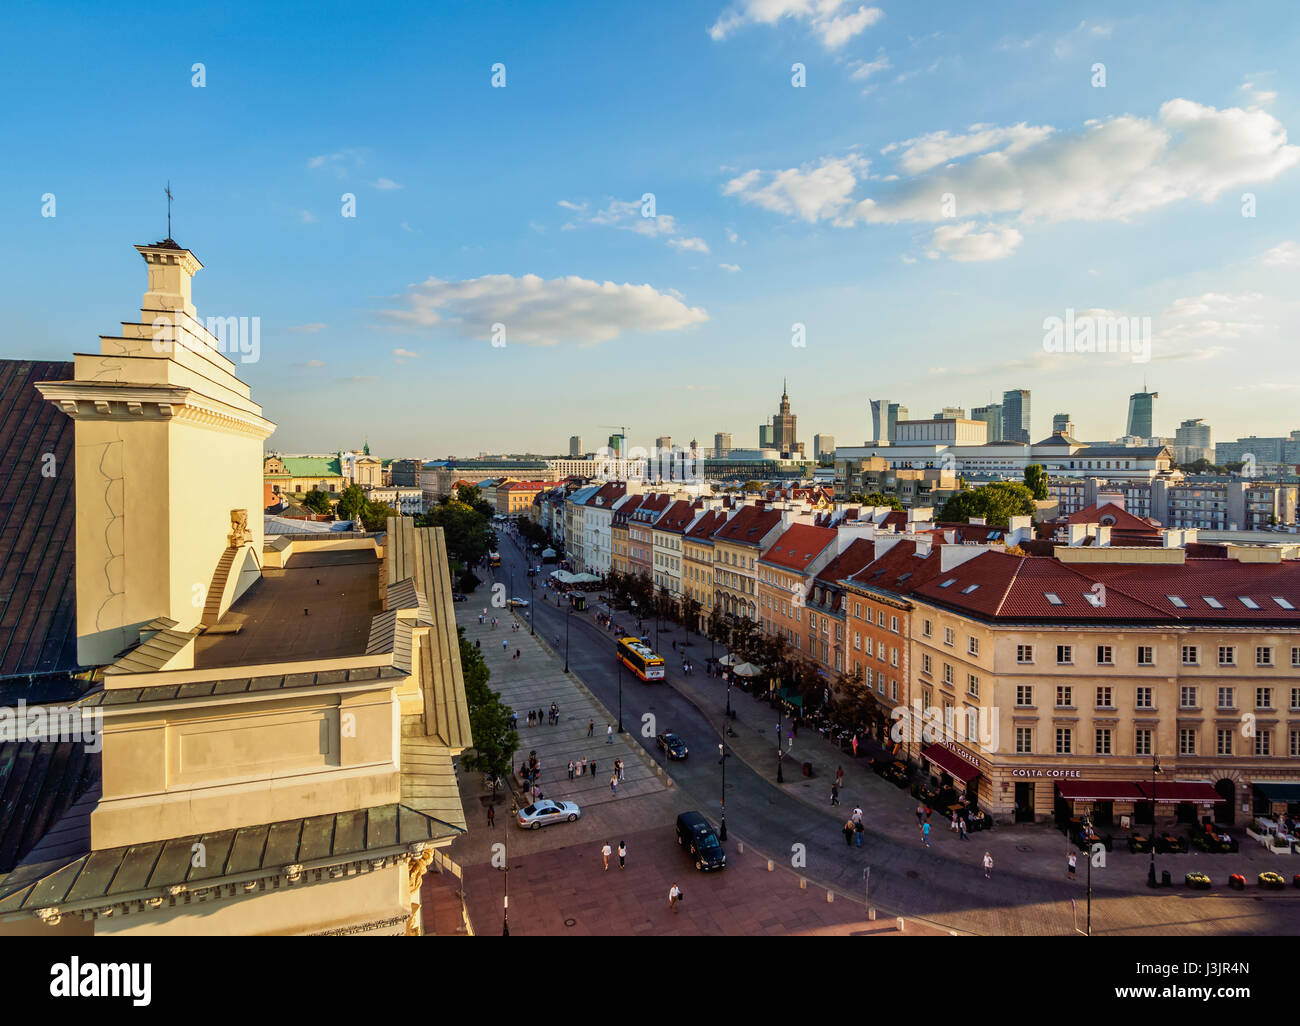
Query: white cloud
[
  {"x": 627, "y": 215},
  {"x": 863, "y": 70},
  {"x": 306, "y": 217},
  {"x": 311, "y": 363},
  {"x": 927, "y": 151},
  {"x": 1212, "y": 302},
  {"x": 834, "y": 22},
  {"x": 537, "y": 311},
  {"x": 964, "y": 243},
  {"x": 387, "y": 183},
  {"x": 812, "y": 193},
  {"x": 1109, "y": 170},
  {"x": 402, "y": 355},
  {"x": 692, "y": 245},
  {"x": 567, "y": 205},
  {"x": 733, "y": 268},
  {"x": 308, "y": 329},
  {"x": 1284, "y": 254},
  {"x": 340, "y": 162}
]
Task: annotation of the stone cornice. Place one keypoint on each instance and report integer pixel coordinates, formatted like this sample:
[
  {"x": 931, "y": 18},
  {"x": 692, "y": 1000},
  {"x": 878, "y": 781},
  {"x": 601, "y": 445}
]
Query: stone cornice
[
  {"x": 92, "y": 400},
  {"x": 261, "y": 881}
]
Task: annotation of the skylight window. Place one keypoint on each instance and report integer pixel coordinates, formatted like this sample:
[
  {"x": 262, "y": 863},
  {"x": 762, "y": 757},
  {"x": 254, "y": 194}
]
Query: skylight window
[
  {"x": 1248, "y": 602},
  {"x": 1212, "y": 602},
  {"x": 1053, "y": 598},
  {"x": 1282, "y": 602},
  {"x": 969, "y": 588},
  {"x": 1177, "y": 601},
  {"x": 949, "y": 582}
]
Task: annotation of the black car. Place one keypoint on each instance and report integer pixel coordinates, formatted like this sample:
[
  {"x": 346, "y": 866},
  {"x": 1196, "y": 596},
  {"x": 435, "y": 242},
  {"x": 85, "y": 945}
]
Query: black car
[
  {"x": 532, "y": 571},
  {"x": 459, "y": 596},
  {"x": 697, "y": 837},
  {"x": 673, "y": 746}
]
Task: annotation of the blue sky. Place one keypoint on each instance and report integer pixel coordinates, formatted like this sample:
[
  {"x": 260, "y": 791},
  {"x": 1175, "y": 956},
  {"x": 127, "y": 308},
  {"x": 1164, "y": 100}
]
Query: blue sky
[{"x": 774, "y": 205}]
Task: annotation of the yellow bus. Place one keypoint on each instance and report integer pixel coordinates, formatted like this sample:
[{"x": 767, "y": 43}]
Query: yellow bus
[{"x": 640, "y": 658}]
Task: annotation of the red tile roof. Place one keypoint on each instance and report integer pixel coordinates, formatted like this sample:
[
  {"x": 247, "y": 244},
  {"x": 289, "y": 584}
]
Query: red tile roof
[
  {"x": 1116, "y": 517},
  {"x": 749, "y": 525},
  {"x": 798, "y": 546},
  {"x": 708, "y": 524},
  {"x": 861, "y": 552},
  {"x": 676, "y": 517}
]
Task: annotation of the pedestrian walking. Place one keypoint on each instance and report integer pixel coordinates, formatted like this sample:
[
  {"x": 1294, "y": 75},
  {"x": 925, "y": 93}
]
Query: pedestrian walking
[
  {"x": 674, "y": 897},
  {"x": 582, "y": 766},
  {"x": 928, "y": 811},
  {"x": 1071, "y": 862},
  {"x": 609, "y": 734},
  {"x": 613, "y": 785},
  {"x": 478, "y": 644},
  {"x": 920, "y": 813},
  {"x": 988, "y": 866},
  {"x": 961, "y": 829},
  {"x": 925, "y": 833},
  {"x": 591, "y": 727},
  {"x": 835, "y": 794},
  {"x": 953, "y": 825},
  {"x": 622, "y": 854},
  {"x": 504, "y": 644},
  {"x": 570, "y": 769},
  {"x": 592, "y": 766},
  {"x": 839, "y": 776},
  {"x": 618, "y": 765},
  {"x": 848, "y": 832},
  {"x": 492, "y": 817},
  {"x": 605, "y": 852},
  {"x": 859, "y": 830}
]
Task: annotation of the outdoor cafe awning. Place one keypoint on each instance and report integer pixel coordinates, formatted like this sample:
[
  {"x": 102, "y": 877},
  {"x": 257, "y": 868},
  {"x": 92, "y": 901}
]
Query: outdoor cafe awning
[
  {"x": 1176, "y": 792},
  {"x": 1279, "y": 791},
  {"x": 951, "y": 763},
  {"x": 1100, "y": 791}
]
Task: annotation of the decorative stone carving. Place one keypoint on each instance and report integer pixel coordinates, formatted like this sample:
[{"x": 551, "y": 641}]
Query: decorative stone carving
[
  {"x": 176, "y": 890},
  {"x": 293, "y": 873},
  {"x": 239, "y": 532},
  {"x": 49, "y": 916}
]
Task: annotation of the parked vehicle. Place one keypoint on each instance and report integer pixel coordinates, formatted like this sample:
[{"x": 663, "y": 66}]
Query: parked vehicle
[
  {"x": 459, "y": 596},
  {"x": 515, "y": 602},
  {"x": 672, "y": 745},
  {"x": 701, "y": 843},
  {"x": 546, "y": 812}
]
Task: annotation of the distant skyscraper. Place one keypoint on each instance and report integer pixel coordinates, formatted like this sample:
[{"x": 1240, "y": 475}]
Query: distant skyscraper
[
  {"x": 1193, "y": 441},
  {"x": 766, "y": 436},
  {"x": 951, "y": 413},
  {"x": 722, "y": 444},
  {"x": 884, "y": 419},
  {"x": 618, "y": 445},
  {"x": 575, "y": 445},
  {"x": 823, "y": 446},
  {"x": 1061, "y": 424},
  {"x": 664, "y": 442},
  {"x": 1142, "y": 413},
  {"x": 783, "y": 425},
  {"x": 1015, "y": 415},
  {"x": 992, "y": 416}
]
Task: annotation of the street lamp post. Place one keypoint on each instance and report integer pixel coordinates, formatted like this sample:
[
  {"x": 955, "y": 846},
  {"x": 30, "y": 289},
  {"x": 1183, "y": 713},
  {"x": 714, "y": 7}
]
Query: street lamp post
[
  {"x": 618, "y": 656},
  {"x": 722, "y": 753},
  {"x": 532, "y": 602},
  {"x": 726, "y": 676},
  {"x": 568, "y": 613},
  {"x": 1151, "y": 870},
  {"x": 505, "y": 896},
  {"x": 780, "y": 717}
]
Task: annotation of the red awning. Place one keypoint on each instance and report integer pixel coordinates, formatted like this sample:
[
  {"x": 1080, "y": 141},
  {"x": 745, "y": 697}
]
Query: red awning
[
  {"x": 951, "y": 763},
  {"x": 1099, "y": 791},
  {"x": 1174, "y": 792}
]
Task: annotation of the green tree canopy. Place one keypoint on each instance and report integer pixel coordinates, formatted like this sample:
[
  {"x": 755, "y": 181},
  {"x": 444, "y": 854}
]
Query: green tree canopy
[
  {"x": 469, "y": 536},
  {"x": 352, "y": 503},
  {"x": 997, "y": 503},
  {"x": 495, "y": 743},
  {"x": 1036, "y": 480},
  {"x": 317, "y": 501}
]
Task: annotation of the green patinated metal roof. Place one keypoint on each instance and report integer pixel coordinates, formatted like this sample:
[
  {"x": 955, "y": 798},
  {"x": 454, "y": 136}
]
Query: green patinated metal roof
[
  {"x": 312, "y": 466},
  {"x": 115, "y": 873}
]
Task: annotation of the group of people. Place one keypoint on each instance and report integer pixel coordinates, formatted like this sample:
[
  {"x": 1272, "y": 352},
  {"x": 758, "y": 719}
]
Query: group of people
[
  {"x": 607, "y": 851},
  {"x": 484, "y": 618},
  {"x": 535, "y": 716},
  {"x": 853, "y": 827}
]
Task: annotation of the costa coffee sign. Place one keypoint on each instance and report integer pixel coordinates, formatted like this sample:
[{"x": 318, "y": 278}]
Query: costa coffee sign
[{"x": 1055, "y": 773}]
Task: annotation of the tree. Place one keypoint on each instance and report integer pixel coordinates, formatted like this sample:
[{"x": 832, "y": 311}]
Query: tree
[
  {"x": 1036, "y": 480},
  {"x": 997, "y": 503},
  {"x": 352, "y": 503},
  {"x": 374, "y": 517},
  {"x": 472, "y": 496},
  {"x": 317, "y": 501},
  {"x": 467, "y": 531},
  {"x": 495, "y": 743}
]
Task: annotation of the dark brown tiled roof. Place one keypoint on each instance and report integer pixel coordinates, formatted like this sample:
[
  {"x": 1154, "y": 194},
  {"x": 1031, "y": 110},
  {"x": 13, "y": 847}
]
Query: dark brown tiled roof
[
  {"x": 38, "y": 607},
  {"x": 241, "y": 685},
  {"x": 39, "y": 781}
]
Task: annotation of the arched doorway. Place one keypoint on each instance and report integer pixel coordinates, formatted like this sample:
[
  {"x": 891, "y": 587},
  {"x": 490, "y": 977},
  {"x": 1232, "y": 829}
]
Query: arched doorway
[{"x": 1226, "y": 811}]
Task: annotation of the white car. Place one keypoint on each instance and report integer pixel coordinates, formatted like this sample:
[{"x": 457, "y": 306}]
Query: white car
[
  {"x": 545, "y": 812},
  {"x": 514, "y": 603}
]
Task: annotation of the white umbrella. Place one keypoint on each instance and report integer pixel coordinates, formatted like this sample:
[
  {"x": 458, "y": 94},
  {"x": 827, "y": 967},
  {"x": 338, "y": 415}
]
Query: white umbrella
[
  {"x": 728, "y": 660},
  {"x": 747, "y": 670}
]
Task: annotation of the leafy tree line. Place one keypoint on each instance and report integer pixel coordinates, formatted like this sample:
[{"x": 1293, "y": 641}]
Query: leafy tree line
[
  {"x": 997, "y": 503},
  {"x": 495, "y": 742},
  {"x": 466, "y": 523},
  {"x": 352, "y": 505}
]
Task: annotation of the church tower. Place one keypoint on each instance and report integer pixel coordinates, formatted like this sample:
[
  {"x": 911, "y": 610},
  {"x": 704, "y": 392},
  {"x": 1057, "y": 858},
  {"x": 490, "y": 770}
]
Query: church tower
[{"x": 168, "y": 465}]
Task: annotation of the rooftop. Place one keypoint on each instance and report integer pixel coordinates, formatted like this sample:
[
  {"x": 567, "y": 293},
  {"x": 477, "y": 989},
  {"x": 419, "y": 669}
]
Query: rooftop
[{"x": 339, "y": 588}]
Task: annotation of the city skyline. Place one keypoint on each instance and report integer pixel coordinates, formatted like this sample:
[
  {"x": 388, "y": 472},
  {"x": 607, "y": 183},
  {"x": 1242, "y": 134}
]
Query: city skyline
[{"x": 799, "y": 242}]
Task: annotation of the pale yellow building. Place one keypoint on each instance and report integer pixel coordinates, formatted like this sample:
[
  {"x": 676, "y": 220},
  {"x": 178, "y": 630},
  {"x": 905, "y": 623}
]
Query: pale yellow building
[{"x": 278, "y": 720}]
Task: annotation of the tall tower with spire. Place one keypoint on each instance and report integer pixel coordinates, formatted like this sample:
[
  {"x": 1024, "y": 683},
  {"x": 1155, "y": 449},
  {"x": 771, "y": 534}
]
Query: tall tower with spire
[{"x": 783, "y": 424}]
